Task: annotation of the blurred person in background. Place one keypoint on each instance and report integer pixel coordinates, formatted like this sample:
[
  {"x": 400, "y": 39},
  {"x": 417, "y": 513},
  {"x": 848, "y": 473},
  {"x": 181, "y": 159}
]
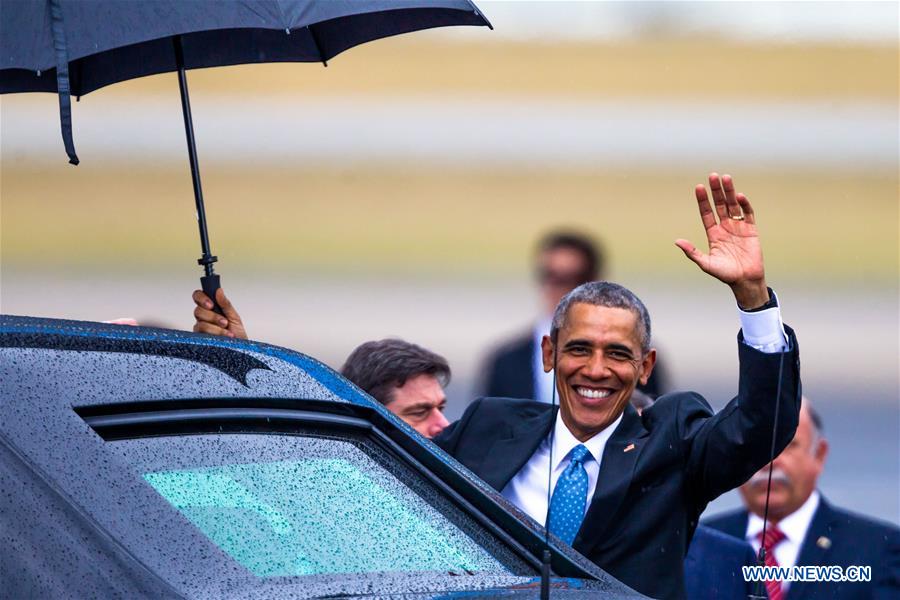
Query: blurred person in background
[
  {"x": 122, "y": 321},
  {"x": 804, "y": 529},
  {"x": 150, "y": 322},
  {"x": 564, "y": 260},
  {"x": 408, "y": 379}
]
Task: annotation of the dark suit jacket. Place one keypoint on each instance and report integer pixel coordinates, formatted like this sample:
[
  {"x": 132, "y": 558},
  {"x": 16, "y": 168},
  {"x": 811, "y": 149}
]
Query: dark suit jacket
[
  {"x": 509, "y": 371},
  {"x": 712, "y": 567},
  {"x": 852, "y": 540},
  {"x": 658, "y": 471}
]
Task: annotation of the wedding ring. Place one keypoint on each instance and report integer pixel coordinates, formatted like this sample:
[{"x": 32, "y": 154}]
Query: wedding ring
[{"x": 738, "y": 218}]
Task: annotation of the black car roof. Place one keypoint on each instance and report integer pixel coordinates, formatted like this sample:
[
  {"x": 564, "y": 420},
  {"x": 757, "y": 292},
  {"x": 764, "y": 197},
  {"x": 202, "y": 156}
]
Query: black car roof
[{"x": 231, "y": 359}]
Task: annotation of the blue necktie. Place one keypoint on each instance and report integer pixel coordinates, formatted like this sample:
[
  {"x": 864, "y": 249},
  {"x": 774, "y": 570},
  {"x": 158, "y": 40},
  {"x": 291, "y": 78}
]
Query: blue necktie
[{"x": 570, "y": 497}]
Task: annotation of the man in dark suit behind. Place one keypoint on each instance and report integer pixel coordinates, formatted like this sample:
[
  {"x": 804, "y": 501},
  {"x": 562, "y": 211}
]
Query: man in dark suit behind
[
  {"x": 805, "y": 529},
  {"x": 563, "y": 260},
  {"x": 628, "y": 489}
]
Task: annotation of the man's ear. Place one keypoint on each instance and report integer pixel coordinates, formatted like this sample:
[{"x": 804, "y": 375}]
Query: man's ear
[
  {"x": 547, "y": 353},
  {"x": 647, "y": 365},
  {"x": 821, "y": 451}
]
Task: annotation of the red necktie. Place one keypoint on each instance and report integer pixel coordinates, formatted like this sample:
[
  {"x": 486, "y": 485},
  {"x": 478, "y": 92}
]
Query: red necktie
[{"x": 774, "y": 536}]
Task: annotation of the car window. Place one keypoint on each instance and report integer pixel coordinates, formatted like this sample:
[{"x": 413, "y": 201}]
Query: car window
[
  {"x": 301, "y": 505},
  {"x": 318, "y": 515}
]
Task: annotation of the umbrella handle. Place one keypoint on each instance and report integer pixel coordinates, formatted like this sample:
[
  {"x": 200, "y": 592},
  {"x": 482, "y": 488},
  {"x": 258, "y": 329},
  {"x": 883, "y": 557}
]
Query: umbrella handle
[{"x": 210, "y": 283}]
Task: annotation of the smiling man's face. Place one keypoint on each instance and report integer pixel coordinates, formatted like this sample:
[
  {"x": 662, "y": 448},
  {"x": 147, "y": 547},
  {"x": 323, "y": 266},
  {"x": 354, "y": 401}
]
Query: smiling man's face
[{"x": 599, "y": 363}]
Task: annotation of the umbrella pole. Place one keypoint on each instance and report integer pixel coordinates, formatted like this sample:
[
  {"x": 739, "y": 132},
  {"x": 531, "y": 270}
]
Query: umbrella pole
[{"x": 210, "y": 281}]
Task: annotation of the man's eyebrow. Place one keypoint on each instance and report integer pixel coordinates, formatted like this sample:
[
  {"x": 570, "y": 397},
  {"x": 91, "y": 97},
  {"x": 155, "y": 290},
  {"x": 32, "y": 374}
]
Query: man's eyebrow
[
  {"x": 572, "y": 343},
  {"x": 622, "y": 347},
  {"x": 422, "y": 405}
]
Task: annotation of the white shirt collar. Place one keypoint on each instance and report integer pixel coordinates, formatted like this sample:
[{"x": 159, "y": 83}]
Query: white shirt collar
[
  {"x": 794, "y": 526},
  {"x": 564, "y": 441}
]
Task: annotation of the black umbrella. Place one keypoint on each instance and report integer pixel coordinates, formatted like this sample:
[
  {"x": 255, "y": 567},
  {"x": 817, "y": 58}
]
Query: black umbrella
[{"x": 73, "y": 47}]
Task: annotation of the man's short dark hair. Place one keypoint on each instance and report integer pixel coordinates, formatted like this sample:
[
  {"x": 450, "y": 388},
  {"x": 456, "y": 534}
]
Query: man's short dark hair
[
  {"x": 580, "y": 242},
  {"x": 608, "y": 294},
  {"x": 381, "y": 366}
]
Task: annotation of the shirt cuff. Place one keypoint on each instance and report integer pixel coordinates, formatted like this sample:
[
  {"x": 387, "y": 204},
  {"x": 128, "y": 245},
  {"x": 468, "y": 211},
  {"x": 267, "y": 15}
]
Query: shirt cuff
[{"x": 764, "y": 329}]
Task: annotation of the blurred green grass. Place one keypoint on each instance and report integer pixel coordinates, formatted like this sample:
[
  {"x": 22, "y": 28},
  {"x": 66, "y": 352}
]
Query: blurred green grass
[
  {"x": 409, "y": 219},
  {"x": 816, "y": 226}
]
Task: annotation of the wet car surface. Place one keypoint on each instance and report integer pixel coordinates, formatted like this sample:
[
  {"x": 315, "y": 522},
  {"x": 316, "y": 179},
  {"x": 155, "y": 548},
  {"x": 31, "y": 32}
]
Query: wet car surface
[{"x": 148, "y": 462}]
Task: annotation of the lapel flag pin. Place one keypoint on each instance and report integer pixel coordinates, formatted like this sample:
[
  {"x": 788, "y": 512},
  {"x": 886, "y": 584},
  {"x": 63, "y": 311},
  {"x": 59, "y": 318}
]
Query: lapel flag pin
[
  {"x": 628, "y": 448},
  {"x": 823, "y": 542}
]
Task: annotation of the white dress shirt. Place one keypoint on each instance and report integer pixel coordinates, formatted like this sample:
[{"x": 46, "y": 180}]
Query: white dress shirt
[
  {"x": 528, "y": 488},
  {"x": 764, "y": 329},
  {"x": 794, "y": 526}
]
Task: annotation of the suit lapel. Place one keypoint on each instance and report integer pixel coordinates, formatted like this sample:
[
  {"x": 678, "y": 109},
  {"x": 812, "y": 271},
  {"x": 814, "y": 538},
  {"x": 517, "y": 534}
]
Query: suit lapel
[
  {"x": 507, "y": 455},
  {"x": 616, "y": 470},
  {"x": 814, "y": 549}
]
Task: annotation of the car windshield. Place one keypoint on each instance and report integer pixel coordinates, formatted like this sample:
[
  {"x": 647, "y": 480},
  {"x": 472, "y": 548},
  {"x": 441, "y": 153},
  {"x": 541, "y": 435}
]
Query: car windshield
[{"x": 227, "y": 507}]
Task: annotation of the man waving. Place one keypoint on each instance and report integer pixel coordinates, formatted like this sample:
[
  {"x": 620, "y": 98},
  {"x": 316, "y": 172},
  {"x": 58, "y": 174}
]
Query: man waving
[{"x": 626, "y": 490}]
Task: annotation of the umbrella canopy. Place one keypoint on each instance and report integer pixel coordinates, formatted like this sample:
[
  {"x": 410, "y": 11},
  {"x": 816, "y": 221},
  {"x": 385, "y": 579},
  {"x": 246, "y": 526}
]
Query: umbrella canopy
[
  {"x": 107, "y": 41},
  {"x": 78, "y": 46}
]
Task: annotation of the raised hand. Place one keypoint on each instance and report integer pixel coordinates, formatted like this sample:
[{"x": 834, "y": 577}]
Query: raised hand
[
  {"x": 206, "y": 321},
  {"x": 735, "y": 254}
]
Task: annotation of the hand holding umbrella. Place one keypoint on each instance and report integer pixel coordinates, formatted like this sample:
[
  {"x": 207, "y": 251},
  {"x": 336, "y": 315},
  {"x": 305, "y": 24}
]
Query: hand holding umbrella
[{"x": 227, "y": 323}]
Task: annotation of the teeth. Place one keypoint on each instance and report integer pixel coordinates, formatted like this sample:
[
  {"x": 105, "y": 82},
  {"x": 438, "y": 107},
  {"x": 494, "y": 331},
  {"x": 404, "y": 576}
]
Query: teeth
[{"x": 593, "y": 394}]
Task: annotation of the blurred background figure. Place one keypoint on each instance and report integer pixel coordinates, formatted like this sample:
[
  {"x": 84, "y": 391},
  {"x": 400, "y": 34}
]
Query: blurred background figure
[
  {"x": 123, "y": 321},
  {"x": 804, "y": 529},
  {"x": 408, "y": 379},
  {"x": 144, "y": 322},
  {"x": 564, "y": 259}
]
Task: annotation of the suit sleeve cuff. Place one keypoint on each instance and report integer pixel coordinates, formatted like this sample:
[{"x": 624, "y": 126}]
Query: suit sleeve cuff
[{"x": 764, "y": 329}]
